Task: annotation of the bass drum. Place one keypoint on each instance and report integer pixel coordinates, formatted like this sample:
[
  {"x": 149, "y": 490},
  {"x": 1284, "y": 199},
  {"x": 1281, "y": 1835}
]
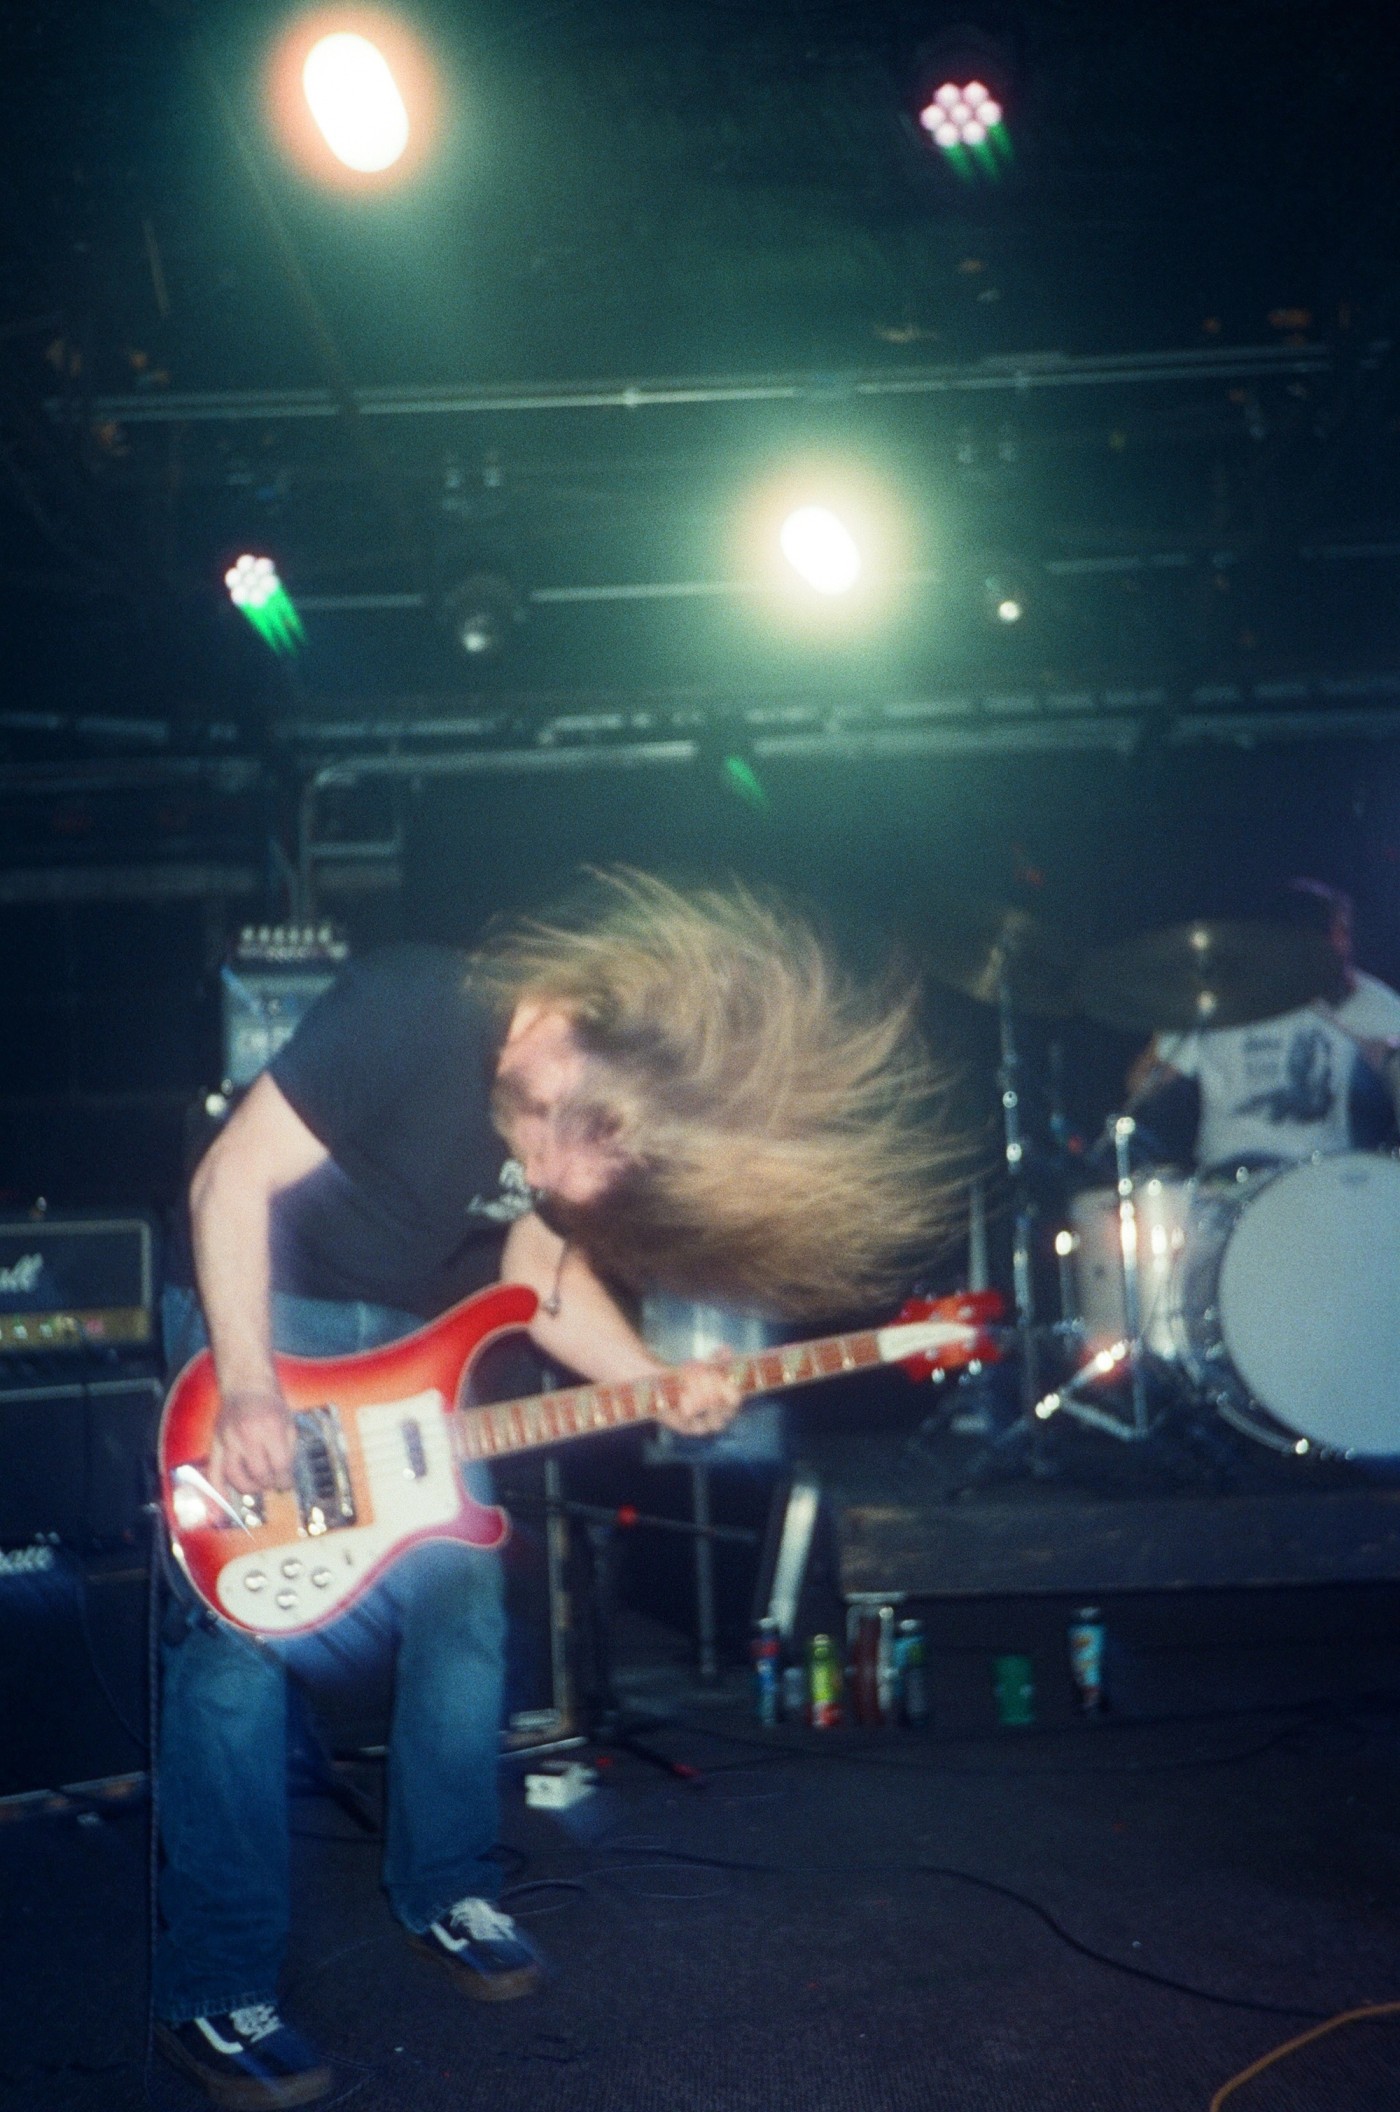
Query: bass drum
[{"x": 1287, "y": 1303}]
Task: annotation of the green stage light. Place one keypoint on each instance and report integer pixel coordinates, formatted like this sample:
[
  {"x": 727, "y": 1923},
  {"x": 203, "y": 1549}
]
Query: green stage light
[
  {"x": 744, "y": 781},
  {"x": 255, "y": 589}
]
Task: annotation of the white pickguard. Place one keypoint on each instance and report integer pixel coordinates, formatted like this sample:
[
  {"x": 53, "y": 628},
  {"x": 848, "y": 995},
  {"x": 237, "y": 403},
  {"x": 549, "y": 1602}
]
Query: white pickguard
[{"x": 281, "y": 1588}]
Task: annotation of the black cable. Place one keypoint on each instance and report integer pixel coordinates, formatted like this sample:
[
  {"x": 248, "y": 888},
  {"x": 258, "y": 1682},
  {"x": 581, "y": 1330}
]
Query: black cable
[
  {"x": 1118, "y": 1965},
  {"x": 513, "y": 1893},
  {"x": 659, "y": 1853},
  {"x": 78, "y": 1577}
]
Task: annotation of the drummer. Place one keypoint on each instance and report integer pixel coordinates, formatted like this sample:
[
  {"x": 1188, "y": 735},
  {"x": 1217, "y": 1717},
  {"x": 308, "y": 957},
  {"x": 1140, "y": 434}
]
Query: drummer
[{"x": 1320, "y": 1079}]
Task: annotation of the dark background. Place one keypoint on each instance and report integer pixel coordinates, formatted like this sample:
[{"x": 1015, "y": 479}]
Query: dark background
[{"x": 1149, "y": 375}]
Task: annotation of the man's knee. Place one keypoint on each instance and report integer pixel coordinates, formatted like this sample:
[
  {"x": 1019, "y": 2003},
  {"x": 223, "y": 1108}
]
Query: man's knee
[{"x": 453, "y": 1589}]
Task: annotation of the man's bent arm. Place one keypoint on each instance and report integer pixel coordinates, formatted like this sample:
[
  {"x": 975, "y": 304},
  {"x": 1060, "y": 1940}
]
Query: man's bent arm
[
  {"x": 265, "y": 1148},
  {"x": 580, "y": 1324}
]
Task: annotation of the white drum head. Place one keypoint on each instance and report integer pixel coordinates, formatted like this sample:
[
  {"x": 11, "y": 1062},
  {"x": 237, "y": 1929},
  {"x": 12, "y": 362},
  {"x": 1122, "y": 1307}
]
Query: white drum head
[{"x": 1310, "y": 1300}]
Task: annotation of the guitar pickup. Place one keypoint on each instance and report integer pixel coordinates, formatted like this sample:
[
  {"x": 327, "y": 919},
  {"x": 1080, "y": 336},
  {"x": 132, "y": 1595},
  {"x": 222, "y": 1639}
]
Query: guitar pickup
[
  {"x": 417, "y": 1467},
  {"x": 321, "y": 1474}
]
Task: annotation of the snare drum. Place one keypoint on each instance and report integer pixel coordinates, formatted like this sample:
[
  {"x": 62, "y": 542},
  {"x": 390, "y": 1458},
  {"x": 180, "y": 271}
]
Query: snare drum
[
  {"x": 1162, "y": 1206},
  {"x": 1285, "y": 1303}
]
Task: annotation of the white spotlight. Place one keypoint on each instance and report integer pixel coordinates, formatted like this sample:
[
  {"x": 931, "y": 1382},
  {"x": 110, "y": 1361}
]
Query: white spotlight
[
  {"x": 821, "y": 549},
  {"x": 355, "y": 100},
  {"x": 1004, "y": 599},
  {"x": 481, "y": 613}
]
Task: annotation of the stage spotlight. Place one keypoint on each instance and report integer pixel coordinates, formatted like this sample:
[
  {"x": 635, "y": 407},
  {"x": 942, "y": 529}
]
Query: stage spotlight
[
  {"x": 256, "y": 591},
  {"x": 960, "y": 100},
  {"x": 960, "y": 115},
  {"x": 1004, "y": 599},
  {"x": 821, "y": 549},
  {"x": 822, "y": 544},
  {"x": 353, "y": 96},
  {"x": 355, "y": 100},
  {"x": 481, "y": 613}
]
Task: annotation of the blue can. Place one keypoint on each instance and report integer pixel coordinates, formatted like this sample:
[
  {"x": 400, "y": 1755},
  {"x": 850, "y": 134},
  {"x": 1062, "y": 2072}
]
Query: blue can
[
  {"x": 1086, "y": 1640},
  {"x": 766, "y": 1650}
]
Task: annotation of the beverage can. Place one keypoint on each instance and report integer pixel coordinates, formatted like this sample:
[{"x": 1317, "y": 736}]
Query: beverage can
[
  {"x": 911, "y": 1670},
  {"x": 865, "y": 1666},
  {"x": 824, "y": 1682},
  {"x": 766, "y": 1651},
  {"x": 1015, "y": 1691},
  {"x": 886, "y": 1670},
  {"x": 794, "y": 1688},
  {"x": 1086, "y": 1644}
]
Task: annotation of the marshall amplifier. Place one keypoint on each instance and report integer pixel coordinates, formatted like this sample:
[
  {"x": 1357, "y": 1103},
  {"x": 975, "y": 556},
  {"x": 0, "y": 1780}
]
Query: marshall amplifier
[
  {"x": 76, "y": 1454},
  {"x": 82, "y": 1280}
]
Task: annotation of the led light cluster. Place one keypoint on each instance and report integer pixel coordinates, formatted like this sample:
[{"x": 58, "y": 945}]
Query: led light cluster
[
  {"x": 252, "y": 582},
  {"x": 255, "y": 589},
  {"x": 960, "y": 116}
]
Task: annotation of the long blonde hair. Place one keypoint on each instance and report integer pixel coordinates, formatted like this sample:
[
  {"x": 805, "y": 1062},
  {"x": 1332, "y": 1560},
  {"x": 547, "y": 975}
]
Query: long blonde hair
[{"x": 778, "y": 1122}]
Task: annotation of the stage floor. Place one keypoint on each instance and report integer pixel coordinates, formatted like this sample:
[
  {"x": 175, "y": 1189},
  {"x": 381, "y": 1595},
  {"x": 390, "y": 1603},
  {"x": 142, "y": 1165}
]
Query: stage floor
[{"x": 885, "y": 1922}]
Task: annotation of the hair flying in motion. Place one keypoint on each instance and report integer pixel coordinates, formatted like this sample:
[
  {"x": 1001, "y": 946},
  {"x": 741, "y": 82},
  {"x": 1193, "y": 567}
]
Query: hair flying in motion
[{"x": 776, "y": 1123}]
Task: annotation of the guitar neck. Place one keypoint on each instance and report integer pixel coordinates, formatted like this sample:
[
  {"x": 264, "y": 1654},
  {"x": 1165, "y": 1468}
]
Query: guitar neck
[{"x": 582, "y": 1411}]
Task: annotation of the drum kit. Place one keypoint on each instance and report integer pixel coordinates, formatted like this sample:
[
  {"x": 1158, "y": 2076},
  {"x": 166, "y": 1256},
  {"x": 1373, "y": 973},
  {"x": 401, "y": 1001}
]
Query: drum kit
[{"x": 1267, "y": 1296}]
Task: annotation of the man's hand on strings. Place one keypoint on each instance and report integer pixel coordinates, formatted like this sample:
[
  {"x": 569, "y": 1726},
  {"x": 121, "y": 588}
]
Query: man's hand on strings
[{"x": 705, "y": 1397}]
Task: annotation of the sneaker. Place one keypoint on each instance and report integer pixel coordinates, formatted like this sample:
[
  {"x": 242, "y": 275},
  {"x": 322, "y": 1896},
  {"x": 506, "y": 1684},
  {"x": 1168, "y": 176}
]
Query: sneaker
[
  {"x": 484, "y": 1951},
  {"x": 246, "y": 2058}
]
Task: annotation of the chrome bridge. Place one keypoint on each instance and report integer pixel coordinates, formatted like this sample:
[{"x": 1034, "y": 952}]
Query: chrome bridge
[{"x": 321, "y": 1473}]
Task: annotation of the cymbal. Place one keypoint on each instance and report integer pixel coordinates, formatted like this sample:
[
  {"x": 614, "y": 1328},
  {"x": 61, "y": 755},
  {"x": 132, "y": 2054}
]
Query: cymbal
[
  {"x": 978, "y": 947},
  {"x": 1222, "y": 974}
]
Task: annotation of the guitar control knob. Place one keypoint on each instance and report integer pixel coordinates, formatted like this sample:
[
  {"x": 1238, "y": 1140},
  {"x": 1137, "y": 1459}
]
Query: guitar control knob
[
  {"x": 286, "y": 1600},
  {"x": 254, "y": 1581},
  {"x": 320, "y": 1578},
  {"x": 291, "y": 1567}
]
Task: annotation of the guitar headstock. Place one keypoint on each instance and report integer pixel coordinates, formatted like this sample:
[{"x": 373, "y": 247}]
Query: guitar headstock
[{"x": 974, "y": 1313}]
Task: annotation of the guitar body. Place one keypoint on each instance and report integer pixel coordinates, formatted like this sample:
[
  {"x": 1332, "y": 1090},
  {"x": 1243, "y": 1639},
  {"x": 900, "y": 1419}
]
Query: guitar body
[
  {"x": 381, "y": 1439},
  {"x": 378, "y": 1472}
]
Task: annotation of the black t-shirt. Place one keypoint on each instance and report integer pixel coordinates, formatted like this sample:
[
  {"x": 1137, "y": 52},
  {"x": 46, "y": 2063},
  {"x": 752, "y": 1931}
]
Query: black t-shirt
[{"x": 392, "y": 1069}]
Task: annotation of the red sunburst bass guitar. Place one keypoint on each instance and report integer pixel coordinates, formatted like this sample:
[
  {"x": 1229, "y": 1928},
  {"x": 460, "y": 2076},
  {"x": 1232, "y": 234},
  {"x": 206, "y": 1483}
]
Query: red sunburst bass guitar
[{"x": 381, "y": 1440}]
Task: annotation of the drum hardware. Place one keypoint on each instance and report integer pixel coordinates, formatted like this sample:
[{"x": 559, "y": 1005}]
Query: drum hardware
[
  {"x": 1125, "y": 1356},
  {"x": 1274, "y": 1440},
  {"x": 1272, "y": 1303},
  {"x": 1002, "y": 956},
  {"x": 1022, "y": 1284}
]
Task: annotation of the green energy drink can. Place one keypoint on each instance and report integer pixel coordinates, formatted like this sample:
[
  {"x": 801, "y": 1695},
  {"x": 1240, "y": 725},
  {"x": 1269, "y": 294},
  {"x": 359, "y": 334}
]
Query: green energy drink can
[
  {"x": 1015, "y": 1691},
  {"x": 824, "y": 1682}
]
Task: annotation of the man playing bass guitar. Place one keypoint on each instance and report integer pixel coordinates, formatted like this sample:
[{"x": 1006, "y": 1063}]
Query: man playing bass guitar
[{"x": 677, "y": 1090}]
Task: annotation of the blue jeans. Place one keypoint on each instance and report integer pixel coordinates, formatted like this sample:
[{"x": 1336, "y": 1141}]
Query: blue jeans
[{"x": 225, "y": 1890}]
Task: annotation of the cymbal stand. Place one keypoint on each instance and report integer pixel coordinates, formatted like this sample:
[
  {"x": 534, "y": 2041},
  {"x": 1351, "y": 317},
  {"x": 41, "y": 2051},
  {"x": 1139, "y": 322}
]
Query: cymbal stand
[{"x": 1022, "y": 1281}]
